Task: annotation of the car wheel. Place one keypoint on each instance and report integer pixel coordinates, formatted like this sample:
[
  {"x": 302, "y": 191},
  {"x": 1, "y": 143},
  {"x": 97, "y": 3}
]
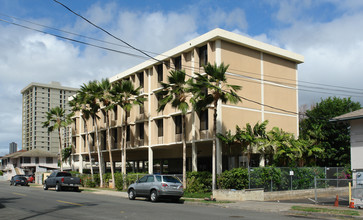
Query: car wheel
[
  {"x": 154, "y": 196},
  {"x": 76, "y": 189},
  {"x": 58, "y": 187},
  {"x": 132, "y": 194},
  {"x": 45, "y": 187}
]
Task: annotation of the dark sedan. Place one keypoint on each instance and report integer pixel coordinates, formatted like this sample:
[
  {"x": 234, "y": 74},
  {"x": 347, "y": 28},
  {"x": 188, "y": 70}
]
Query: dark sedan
[{"x": 19, "y": 180}]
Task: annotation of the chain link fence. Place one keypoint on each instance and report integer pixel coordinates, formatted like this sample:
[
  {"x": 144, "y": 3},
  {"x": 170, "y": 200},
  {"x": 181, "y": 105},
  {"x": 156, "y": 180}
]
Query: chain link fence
[{"x": 285, "y": 178}]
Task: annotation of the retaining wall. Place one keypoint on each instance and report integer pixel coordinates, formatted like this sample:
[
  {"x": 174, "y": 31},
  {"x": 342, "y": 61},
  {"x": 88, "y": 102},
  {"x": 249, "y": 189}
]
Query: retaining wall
[{"x": 260, "y": 195}]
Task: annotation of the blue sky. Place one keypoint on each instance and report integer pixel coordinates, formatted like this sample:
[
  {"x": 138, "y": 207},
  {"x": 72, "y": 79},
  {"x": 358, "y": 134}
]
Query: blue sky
[{"x": 328, "y": 33}]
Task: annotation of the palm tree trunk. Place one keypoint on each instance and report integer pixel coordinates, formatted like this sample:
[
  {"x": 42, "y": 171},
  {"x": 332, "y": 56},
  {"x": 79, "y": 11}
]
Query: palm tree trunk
[
  {"x": 214, "y": 175},
  {"x": 124, "y": 146},
  {"x": 60, "y": 149},
  {"x": 89, "y": 150},
  {"x": 184, "y": 153},
  {"x": 99, "y": 154},
  {"x": 109, "y": 150},
  {"x": 124, "y": 154}
]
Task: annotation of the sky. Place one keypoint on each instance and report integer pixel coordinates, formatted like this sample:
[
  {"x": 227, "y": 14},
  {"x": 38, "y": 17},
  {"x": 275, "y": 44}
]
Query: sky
[{"x": 328, "y": 33}]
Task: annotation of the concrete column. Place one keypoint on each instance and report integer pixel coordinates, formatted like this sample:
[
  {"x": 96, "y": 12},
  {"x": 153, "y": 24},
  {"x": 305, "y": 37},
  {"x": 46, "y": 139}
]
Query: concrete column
[
  {"x": 262, "y": 160},
  {"x": 151, "y": 160},
  {"x": 80, "y": 162},
  {"x": 194, "y": 147},
  {"x": 219, "y": 115}
]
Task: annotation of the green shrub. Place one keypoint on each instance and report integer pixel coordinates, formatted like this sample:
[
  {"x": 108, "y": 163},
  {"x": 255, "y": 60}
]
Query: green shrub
[
  {"x": 236, "y": 178},
  {"x": 130, "y": 178},
  {"x": 1, "y": 173},
  {"x": 266, "y": 177},
  {"x": 199, "y": 182}
]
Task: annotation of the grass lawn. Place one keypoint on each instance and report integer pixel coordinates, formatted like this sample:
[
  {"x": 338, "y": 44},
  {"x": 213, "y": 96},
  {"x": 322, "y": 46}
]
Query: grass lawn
[
  {"x": 326, "y": 210},
  {"x": 197, "y": 195}
]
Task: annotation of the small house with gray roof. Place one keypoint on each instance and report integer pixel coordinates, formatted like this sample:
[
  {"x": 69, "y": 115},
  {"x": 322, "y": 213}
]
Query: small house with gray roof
[
  {"x": 28, "y": 162},
  {"x": 355, "y": 119}
]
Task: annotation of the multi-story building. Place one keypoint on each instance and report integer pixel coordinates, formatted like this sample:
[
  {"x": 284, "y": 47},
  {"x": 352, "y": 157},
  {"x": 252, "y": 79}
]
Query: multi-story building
[
  {"x": 268, "y": 76},
  {"x": 38, "y": 99},
  {"x": 13, "y": 147}
]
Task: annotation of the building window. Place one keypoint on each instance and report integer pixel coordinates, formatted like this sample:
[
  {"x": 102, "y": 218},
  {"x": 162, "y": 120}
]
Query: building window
[
  {"x": 142, "y": 108},
  {"x": 104, "y": 116},
  {"x": 160, "y": 124},
  {"x": 141, "y": 79},
  {"x": 37, "y": 160},
  {"x": 203, "y": 117},
  {"x": 128, "y": 133},
  {"x": 115, "y": 136},
  {"x": 159, "y": 70},
  {"x": 115, "y": 112},
  {"x": 203, "y": 56},
  {"x": 178, "y": 124},
  {"x": 177, "y": 63},
  {"x": 141, "y": 131},
  {"x": 159, "y": 97},
  {"x": 49, "y": 160},
  {"x": 26, "y": 160}
]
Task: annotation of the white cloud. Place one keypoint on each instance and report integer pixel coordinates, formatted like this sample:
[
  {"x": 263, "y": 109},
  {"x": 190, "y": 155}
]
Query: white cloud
[
  {"x": 235, "y": 18},
  {"x": 331, "y": 50},
  {"x": 28, "y": 56}
]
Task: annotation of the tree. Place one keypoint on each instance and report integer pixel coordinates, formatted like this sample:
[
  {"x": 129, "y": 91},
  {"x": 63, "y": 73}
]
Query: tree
[
  {"x": 92, "y": 93},
  {"x": 176, "y": 92},
  {"x": 56, "y": 120},
  {"x": 126, "y": 96},
  {"x": 287, "y": 150},
  {"x": 228, "y": 139},
  {"x": 334, "y": 137},
  {"x": 252, "y": 137},
  {"x": 79, "y": 103},
  {"x": 215, "y": 81},
  {"x": 106, "y": 99}
]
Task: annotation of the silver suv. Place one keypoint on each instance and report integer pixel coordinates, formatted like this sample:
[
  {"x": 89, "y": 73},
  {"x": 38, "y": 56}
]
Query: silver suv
[{"x": 155, "y": 187}]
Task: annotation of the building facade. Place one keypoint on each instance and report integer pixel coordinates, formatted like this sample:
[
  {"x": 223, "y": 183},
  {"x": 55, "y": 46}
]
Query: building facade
[
  {"x": 38, "y": 99},
  {"x": 268, "y": 76},
  {"x": 13, "y": 147}
]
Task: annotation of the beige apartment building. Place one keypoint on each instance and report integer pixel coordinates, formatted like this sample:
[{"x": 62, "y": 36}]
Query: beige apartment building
[
  {"x": 268, "y": 76},
  {"x": 38, "y": 99}
]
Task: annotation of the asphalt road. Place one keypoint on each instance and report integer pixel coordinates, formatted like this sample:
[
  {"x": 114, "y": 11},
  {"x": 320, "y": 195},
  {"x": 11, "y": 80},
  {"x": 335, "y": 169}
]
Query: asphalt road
[{"x": 34, "y": 203}]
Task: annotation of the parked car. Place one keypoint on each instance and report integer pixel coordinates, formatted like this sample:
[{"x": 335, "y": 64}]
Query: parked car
[
  {"x": 30, "y": 178},
  {"x": 155, "y": 187},
  {"x": 62, "y": 180},
  {"x": 19, "y": 180}
]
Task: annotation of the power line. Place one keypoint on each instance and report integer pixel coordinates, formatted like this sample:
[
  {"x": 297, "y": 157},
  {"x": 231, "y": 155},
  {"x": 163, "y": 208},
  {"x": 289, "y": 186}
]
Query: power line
[
  {"x": 77, "y": 41},
  {"x": 287, "y": 111},
  {"x": 234, "y": 70},
  {"x": 253, "y": 79},
  {"x": 71, "y": 33},
  {"x": 105, "y": 31}
]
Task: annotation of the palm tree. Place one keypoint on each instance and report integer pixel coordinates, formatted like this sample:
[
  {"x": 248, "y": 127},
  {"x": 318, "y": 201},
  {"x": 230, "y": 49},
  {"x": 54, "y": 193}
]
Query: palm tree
[
  {"x": 126, "y": 96},
  {"x": 56, "y": 120},
  {"x": 215, "y": 81},
  {"x": 106, "y": 99},
  {"x": 176, "y": 92},
  {"x": 288, "y": 150},
  {"x": 228, "y": 139},
  {"x": 79, "y": 103},
  {"x": 252, "y": 137},
  {"x": 92, "y": 93}
]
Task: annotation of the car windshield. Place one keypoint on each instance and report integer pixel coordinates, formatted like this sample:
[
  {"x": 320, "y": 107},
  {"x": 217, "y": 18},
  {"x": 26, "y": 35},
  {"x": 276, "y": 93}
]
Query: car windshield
[{"x": 170, "y": 179}]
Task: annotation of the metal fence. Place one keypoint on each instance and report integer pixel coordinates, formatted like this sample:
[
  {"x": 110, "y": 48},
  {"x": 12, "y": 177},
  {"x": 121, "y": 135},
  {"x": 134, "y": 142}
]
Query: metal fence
[{"x": 285, "y": 178}]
